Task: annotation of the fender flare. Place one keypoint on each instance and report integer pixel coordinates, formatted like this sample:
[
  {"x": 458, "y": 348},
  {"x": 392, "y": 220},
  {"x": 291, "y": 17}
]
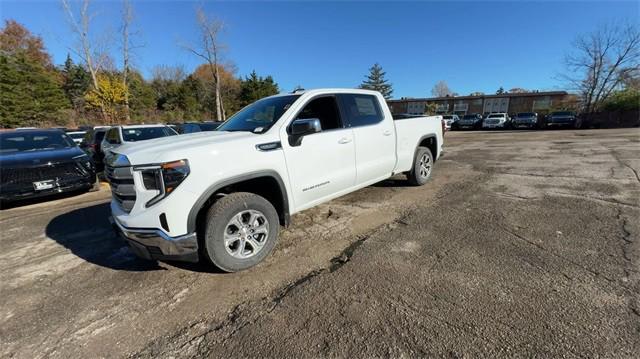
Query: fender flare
[
  {"x": 204, "y": 197},
  {"x": 436, "y": 155}
]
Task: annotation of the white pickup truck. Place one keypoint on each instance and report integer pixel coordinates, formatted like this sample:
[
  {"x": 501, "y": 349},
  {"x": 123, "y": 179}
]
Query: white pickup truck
[{"x": 222, "y": 196}]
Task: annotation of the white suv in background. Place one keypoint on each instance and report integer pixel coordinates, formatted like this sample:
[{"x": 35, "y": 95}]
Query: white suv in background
[
  {"x": 449, "y": 120},
  {"x": 119, "y": 135},
  {"x": 496, "y": 120}
]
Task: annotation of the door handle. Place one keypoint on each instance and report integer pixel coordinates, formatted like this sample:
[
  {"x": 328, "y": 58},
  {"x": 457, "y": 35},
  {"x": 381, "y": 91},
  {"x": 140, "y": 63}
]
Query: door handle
[
  {"x": 387, "y": 133},
  {"x": 344, "y": 140}
]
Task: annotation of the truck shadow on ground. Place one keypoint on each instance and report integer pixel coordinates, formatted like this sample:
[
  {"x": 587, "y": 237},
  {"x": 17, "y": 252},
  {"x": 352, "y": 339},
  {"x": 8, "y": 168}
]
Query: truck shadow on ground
[
  {"x": 87, "y": 233},
  {"x": 38, "y": 200}
]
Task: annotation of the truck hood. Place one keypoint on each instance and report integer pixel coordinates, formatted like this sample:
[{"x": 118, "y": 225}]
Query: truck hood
[{"x": 152, "y": 151}]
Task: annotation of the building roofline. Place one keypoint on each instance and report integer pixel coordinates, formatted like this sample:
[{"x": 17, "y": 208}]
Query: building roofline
[{"x": 525, "y": 94}]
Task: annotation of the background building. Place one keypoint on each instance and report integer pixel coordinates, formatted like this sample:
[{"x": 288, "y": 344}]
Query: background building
[{"x": 540, "y": 102}]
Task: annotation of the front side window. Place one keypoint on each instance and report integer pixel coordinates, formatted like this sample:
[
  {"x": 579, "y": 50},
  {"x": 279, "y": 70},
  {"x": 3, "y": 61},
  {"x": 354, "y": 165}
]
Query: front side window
[
  {"x": 324, "y": 109},
  {"x": 145, "y": 133},
  {"x": 360, "y": 110},
  {"x": 260, "y": 115}
]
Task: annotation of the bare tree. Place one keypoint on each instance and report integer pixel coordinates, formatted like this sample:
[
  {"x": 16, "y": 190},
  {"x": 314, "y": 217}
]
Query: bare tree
[
  {"x": 441, "y": 89},
  {"x": 127, "y": 18},
  {"x": 85, "y": 50},
  {"x": 601, "y": 61},
  {"x": 518, "y": 90},
  {"x": 168, "y": 73},
  {"x": 210, "y": 49}
]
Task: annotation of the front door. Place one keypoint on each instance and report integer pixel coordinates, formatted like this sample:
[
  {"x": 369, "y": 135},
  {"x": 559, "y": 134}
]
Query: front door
[{"x": 322, "y": 165}]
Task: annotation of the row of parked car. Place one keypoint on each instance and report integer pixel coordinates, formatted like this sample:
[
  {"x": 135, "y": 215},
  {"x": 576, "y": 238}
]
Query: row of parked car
[
  {"x": 504, "y": 121},
  {"x": 38, "y": 162}
]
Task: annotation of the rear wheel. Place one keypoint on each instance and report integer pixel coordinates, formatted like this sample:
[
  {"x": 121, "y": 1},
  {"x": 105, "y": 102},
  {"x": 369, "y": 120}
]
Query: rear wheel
[
  {"x": 422, "y": 166},
  {"x": 242, "y": 229}
]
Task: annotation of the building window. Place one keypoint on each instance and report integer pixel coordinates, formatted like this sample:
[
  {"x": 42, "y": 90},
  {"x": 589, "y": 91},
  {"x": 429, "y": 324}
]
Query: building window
[{"x": 542, "y": 104}]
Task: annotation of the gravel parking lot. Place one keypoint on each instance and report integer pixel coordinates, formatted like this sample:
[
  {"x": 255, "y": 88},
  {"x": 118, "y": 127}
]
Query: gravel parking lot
[{"x": 523, "y": 244}]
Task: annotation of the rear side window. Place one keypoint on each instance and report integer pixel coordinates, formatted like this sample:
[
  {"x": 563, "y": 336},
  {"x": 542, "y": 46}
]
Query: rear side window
[{"x": 360, "y": 110}]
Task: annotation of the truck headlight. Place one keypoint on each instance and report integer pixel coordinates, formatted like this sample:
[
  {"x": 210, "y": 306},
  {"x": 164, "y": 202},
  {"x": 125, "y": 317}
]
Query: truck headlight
[
  {"x": 164, "y": 178},
  {"x": 84, "y": 161}
]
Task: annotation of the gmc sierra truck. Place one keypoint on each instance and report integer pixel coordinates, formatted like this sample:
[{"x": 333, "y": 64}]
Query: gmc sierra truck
[{"x": 221, "y": 196}]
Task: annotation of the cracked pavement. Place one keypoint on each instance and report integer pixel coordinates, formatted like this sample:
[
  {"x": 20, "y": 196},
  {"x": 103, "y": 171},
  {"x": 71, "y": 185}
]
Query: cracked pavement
[{"x": 523, "y": 244}]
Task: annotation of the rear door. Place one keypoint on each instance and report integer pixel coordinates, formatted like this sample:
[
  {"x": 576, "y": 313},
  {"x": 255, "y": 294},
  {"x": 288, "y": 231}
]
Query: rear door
[{"x": 374, "y": 136}]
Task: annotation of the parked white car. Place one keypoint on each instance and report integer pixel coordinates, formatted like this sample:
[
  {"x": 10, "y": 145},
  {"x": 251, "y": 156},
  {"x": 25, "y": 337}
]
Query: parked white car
[
  {"x": 117, "y": 136},
  {"x": 496, "y": 120},
  {"x": 224, "y": 194}
]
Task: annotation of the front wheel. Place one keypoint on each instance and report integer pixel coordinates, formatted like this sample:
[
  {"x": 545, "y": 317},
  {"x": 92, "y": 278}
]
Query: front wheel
[
  {"x": 422, "y": 166},
  {"x": 242, "y": 229}
]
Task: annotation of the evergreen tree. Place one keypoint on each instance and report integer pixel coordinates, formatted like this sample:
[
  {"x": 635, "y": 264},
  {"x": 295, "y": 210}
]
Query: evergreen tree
[
  {"x": 376, "y": 81},
  {"x": 142, "y": 99},
  {"x": 255, "y": 87},
  {"x": 29, "y": 94},
  {"x": 76, "y": 82}
]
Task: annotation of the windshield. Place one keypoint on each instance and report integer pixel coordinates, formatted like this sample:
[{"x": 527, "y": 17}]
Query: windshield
[
  {"x": 145, "y": 133},
  {"x": 447, "y": 117},
  {"x": 208, "y": 126},
  {"x": 77, "y": 136},
  {"x": 495, "y": 116},
  {"x": 260, "y": 115},
  {"x": 563, "y": 113},
  {"x": 526, "y": 114},
  {"x": 34, "y": 141},
  {"x": 469, "y": 117}
]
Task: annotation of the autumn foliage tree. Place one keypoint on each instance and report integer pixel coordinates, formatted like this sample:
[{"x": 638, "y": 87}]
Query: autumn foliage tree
[{"x": 110, "y": 97}]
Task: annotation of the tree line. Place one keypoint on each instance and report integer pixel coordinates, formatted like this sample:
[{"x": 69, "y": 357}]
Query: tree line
[{"x": 35, "y": 92}]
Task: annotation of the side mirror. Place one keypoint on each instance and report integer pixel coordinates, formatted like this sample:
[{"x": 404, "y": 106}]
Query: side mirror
[{"x": 301, "y": 128}]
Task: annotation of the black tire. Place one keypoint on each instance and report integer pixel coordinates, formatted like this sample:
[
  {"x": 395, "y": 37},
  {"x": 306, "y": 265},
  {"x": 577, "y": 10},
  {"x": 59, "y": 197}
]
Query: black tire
[
  {"x": 219, "y": 217},
  {"x": 416, "y": 176}
]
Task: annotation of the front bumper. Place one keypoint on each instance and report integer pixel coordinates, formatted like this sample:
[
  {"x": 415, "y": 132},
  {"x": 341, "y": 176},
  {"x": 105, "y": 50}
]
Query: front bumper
[
  {"x": 16, "y": 192},
  {"x": 561, "y": 124},
  {"x": 151, "y": 243},
  {"x": 466, "y": 126},
  {"x": 493, "y": 125},
  {"x": 525, "y": 124}
]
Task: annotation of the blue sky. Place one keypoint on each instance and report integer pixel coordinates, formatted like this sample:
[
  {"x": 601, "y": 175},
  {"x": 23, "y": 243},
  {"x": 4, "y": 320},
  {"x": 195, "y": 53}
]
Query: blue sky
[{"x": 473, "y": 46}]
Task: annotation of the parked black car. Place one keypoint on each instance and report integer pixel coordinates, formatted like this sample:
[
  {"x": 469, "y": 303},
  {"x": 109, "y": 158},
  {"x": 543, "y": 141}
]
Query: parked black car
[
  {"x": 563, "y": 119},
  {"x": 525, "y": 120},
  {"x": 468, "y": 122},
  {"x": 191, "y": 127},
  {"x": 37, "y": 163},
  {"x": 92, "y": 145}
]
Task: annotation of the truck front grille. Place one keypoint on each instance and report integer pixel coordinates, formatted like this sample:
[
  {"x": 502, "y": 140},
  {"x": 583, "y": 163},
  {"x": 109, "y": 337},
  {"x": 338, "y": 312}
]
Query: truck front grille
[
  {"x": 123, "y": 190},
  {"x": 60, "y": 171}
]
